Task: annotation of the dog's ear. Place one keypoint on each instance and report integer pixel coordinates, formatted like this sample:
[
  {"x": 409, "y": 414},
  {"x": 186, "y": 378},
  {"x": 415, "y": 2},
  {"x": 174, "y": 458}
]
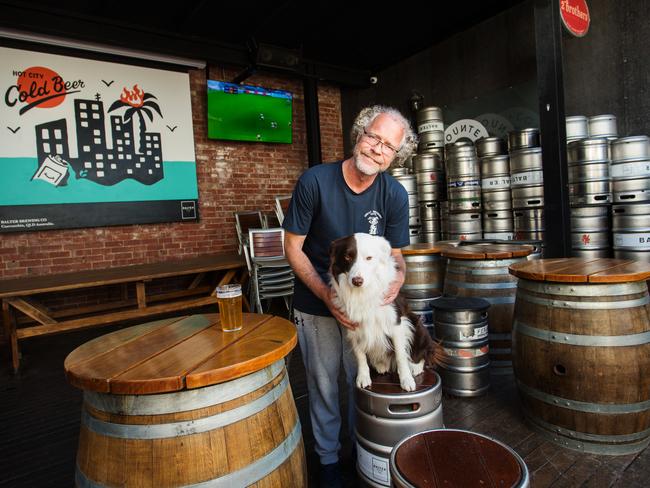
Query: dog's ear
[
  {"x": 386, "y": 249},
  {"x": 341, "y": 255}
]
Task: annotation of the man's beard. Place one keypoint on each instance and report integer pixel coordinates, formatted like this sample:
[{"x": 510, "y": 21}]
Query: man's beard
[{"x": 368, "y": 169}]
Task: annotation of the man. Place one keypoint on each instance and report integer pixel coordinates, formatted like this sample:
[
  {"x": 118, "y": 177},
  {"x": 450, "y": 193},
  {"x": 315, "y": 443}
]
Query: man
[{"x": 331, "y": 201}]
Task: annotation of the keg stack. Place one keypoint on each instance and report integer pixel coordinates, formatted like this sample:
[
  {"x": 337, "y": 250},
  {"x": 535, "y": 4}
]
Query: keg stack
[
  {"x": 590, "y": 197},
  {"x": 408, "y": 181},
  {"x": 429, "y": 169},
  {"x": 630, "y": 171},
  {"x": 463, "y": 192},
  {"x": 430, "y": 178},
  {"x": 495, "y": 188},
  {"x": 527, "y": 184}
]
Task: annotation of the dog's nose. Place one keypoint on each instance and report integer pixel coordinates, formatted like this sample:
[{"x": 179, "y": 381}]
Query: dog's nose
[{"x": 357, "y": 281}]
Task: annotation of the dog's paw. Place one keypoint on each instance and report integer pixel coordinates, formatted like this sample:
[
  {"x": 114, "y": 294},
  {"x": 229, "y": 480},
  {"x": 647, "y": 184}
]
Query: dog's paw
[
  {"x": 407, "y": 382},
  {"x": 416, "y": 368},
  {"x": 363, "y": 380}
]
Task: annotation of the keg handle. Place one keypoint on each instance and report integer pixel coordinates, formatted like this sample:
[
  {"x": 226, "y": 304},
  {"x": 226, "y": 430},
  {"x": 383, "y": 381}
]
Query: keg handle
[{"x": 404, "y": 408}]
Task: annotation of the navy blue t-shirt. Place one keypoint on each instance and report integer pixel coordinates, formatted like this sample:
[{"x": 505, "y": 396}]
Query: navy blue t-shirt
[{"x": 324, "y": 208}]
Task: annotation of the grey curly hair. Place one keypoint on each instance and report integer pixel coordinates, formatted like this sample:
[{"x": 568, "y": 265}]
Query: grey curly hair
[{"x": 409, "y": 142}]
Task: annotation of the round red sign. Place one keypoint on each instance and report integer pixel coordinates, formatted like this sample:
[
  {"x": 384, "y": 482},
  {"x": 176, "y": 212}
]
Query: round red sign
[{"x": 575, "y": 16}]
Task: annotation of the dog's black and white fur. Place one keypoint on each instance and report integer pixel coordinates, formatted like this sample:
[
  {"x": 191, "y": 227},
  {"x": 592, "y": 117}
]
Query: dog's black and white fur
[{"x": 389, "y": 337}]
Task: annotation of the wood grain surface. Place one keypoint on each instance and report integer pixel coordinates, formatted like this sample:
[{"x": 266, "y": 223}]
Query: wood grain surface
[
  {"x": 488, "y": 251},
  {"x": 83, "y": 279},
  {"x": 582, "y": 270},
  {"x": 179, "y": 353}
]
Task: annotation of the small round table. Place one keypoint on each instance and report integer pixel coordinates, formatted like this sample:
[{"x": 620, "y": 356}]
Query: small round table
[
  {"x": 581, "y": 351},
  {"x": 178, "y": 402}
]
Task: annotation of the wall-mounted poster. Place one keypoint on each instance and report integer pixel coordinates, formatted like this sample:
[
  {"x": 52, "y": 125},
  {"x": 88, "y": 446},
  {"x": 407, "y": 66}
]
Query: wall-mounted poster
[{"x": 87, "y": 143}]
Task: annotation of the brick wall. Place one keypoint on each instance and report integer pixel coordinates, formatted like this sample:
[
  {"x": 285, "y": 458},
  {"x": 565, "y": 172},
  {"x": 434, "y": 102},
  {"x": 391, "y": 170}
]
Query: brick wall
[{"x": 231, "y": 176}]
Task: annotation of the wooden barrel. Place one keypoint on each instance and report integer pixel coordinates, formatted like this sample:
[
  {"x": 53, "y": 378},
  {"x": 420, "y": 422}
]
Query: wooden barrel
[
  {"x": 481, "y": 270},
  {"x": 425, "y": 271},
  {"x": 582, "y": 352},
  {"x": 235, "y": 423},
  {"x": 385, "y": 414},
  {"x": 456, "y": 458}
]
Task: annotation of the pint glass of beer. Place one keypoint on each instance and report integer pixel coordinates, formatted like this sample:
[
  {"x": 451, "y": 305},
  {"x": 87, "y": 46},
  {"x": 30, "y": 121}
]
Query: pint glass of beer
[{"x": 229, "y": 298}]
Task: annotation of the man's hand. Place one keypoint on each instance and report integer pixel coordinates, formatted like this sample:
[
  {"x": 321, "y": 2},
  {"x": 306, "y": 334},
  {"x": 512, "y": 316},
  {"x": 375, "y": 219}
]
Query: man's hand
[
  {"x": 392, "y": 292},
  {"x": 338, "y": 314},
  {"x": 396, "y": 284}
]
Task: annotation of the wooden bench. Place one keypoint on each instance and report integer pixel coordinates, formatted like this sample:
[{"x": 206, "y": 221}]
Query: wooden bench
[{"x": 21, "y": 295}]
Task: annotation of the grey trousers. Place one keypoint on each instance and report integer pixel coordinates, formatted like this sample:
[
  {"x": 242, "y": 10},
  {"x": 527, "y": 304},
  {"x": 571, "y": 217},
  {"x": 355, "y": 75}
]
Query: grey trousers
[{"x": 323, "y": 346}]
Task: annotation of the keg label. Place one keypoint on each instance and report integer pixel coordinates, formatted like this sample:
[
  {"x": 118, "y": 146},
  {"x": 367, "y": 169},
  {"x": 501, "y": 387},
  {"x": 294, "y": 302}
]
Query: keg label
[
  {"x": 527, "y": 178},
  {"x": 478, "y": 333},
  {"x": 465, "y": 183},
  {"x": 496, "y": 183},
  {"x": 636, "y": 168},
  {"x": 502, "y": 236},
  {"x": 374, "y": 467},
  {"x": 641, "y": 239},
  {"x": 431, "y": 126},
  {"x": 466, "y": 353}
]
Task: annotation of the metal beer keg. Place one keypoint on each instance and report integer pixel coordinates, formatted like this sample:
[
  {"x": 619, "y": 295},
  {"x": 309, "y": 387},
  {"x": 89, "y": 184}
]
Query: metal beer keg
[
  {"x": 631, "y": 231},
  {"x": 385, "y": 414},
  {"x": 521, "y": 139},
  {"x": 461, "y": 325}
]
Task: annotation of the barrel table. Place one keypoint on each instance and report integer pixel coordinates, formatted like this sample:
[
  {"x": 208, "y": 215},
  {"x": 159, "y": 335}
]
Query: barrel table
[
  {"x": 453, "y": 458},
  {"x": 581, "y": 352},
  {"x": 178, "y": 402},
  {"x": 423, "y": 279},
  {"x": 481, "y": 270}
]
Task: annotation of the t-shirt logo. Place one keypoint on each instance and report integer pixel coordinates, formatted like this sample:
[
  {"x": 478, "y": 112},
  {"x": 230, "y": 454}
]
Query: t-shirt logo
[{"x": 373, "y": 217}]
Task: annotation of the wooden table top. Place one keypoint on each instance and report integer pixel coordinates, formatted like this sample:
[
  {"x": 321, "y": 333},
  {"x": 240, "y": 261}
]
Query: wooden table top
[
  {"x": 488, "y": 251},
  {"x": 97, "y": 277},
  {"x": 178, "y": 353},
  {"x": 582, "y": 270},
  {"x": 423, "y": 248}
]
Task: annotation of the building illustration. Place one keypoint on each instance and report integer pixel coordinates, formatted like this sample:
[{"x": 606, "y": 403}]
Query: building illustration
[{"x": 97, "y": 161}]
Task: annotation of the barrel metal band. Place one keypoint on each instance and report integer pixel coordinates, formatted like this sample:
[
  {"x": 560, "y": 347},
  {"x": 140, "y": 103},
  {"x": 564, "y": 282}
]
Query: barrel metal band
[
  {"x": 189, "y": 427},
  {"x": 483, "y": 286},
  {"x": 243, "y": 477},
  {"x": 484, "y": 264},
  {"x": 626, "y": 441},
  {"x": 584, "y": 289},
  {"x": 591, "y": 305},
  {"x": 580, "y": 339},
  {"x": 609, "y": 408},
  {"x": 181, "y": 401}
]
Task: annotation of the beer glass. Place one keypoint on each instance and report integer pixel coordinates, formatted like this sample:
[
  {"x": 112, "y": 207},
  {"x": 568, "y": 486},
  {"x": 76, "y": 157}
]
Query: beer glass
[{"x": 229, "y": 299}]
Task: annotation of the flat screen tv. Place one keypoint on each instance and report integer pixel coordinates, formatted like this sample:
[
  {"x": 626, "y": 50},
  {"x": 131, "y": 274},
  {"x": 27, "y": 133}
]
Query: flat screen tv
[{"x": 248, "y": 113}]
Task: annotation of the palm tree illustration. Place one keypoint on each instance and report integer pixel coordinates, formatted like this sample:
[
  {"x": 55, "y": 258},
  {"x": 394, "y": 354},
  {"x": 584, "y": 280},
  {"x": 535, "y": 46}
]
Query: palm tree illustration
[{"x": 138, "y": 102}]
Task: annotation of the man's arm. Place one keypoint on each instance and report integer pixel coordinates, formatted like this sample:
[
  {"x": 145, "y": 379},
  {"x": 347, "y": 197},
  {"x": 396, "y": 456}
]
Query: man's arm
[
  {"x": 303, "y": 268},
  {"x": 396, "y": 284}
]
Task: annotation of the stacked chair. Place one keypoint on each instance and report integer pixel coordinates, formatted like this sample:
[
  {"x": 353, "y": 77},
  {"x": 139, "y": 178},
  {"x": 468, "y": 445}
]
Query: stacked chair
[
  {"x": 245, "y": 221},
  {"x": 281, "y": 206},
  {"x": 271, "y": 275}
]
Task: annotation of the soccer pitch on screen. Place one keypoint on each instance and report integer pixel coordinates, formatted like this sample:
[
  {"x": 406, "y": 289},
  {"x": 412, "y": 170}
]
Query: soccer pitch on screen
[{"x": 248, "y": 113}]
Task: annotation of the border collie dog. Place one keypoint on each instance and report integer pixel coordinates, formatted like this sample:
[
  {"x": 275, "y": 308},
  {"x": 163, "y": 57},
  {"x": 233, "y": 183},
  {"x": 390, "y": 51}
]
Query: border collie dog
[{"x": 389, "y": 337}]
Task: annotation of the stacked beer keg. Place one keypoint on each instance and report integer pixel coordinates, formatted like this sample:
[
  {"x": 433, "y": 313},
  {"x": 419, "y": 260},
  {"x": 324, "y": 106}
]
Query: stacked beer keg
[
  {"x": 463, "y": 191},
  {"x": 527, "y": 184},
  {"x": 630, "y": 171},
  {"x": 430, "y": 177},
  {"x": 590, "y": 193},
  {"x": 425, "y": 177},
  {"x": 408, "y": 181},
  {"x": 495, "y": 189}
]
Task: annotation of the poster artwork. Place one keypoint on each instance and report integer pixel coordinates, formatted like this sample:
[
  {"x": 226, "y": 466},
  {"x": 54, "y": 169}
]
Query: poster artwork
[{"x": 90, "y": 143}]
